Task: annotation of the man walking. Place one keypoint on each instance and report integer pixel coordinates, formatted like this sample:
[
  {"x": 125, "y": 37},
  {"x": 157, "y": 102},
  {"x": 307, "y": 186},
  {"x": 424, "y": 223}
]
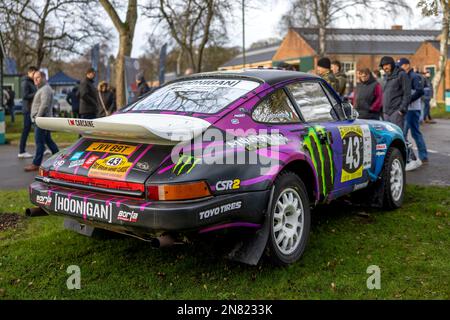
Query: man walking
[
  {"x": 396, "y": 92},
  {"x": 340, "y": 76},
  {"x": 323, "y": 71},
  {"x": 41, "y": 107},
  {"x": 10, "y": 103},
  {"x": 414, "y": 110},
  {"x": 427, "y": 96},
  {"x": 74, "y": 101},
  {"x": 88, "y": 96},
  {"x": 28, "y": 91}
]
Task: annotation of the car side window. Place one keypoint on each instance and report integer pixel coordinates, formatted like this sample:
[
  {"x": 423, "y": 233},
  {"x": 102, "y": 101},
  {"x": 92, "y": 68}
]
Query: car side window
[
  {"x": 276, "y": 108},
  {"x": 313, "y": 103},
  {"x": 337, "y": 105}
]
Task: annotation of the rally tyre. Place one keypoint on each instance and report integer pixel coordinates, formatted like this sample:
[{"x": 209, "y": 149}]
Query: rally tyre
[
  {"x": 290, "y": 220},
  {"x": 393, "y": 179}
]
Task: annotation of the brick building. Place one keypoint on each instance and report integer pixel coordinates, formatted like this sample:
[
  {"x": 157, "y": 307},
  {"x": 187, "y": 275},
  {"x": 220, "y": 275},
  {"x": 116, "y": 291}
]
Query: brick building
[{"x": 355, "y": 48}]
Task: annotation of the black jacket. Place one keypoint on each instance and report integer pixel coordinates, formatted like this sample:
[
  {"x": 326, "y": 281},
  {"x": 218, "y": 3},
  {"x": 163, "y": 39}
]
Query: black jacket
[
  {"x": 396, "y": 92},
  {"x": 28, "y": 91},
  {"x": 88, "y": 97},
  {"x": 365, "y": 98},
  {"x": 108, "y": 100}
]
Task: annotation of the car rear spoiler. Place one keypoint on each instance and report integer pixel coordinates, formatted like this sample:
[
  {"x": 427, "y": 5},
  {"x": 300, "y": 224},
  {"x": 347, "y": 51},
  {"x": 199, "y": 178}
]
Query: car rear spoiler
[{"x": 163, "y": 129}]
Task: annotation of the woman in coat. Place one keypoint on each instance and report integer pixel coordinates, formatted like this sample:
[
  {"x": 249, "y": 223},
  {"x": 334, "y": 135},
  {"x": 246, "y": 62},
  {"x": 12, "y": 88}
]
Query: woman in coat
[{"x": 368, "y": 96}]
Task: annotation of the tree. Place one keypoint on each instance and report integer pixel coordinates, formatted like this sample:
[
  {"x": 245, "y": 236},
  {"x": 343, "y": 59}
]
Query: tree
[
  {"x": 126, "y": 35},
  {"x": 321, "y": 14},
  {"x": 37, "y": 30},
  {"x": 439, "y": 7},
  {"x": 192, "y": 25}
]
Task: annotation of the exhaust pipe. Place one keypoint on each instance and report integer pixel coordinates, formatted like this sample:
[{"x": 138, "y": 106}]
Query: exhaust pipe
[
  {"x": 35, "y": 212},
  {"x": 163, "y": 241}
]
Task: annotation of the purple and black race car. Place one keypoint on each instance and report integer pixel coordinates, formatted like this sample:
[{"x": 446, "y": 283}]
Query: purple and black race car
[{"x": 252, "y": 149}]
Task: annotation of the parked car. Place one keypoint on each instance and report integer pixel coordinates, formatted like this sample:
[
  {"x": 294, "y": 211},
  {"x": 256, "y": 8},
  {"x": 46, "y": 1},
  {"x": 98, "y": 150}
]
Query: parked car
[
  {"x": 64, "y": 106},
  {"x": 253, "y": 150}
]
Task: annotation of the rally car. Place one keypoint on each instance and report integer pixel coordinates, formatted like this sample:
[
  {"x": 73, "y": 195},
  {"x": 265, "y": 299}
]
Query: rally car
[{"x": 254, "y": 149}]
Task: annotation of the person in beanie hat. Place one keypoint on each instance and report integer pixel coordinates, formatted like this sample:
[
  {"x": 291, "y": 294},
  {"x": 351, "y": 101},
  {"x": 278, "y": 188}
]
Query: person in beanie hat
[
  {"x": 396, "y": 92},
  {"x": 324, "y": 71}
]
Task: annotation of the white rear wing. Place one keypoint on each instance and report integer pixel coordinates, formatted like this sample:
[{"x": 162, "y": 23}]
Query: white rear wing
[{"x": 164, "y": 129}]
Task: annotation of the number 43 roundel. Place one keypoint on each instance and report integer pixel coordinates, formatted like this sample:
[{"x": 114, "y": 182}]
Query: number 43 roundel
[{"x": 352, "y": 152}]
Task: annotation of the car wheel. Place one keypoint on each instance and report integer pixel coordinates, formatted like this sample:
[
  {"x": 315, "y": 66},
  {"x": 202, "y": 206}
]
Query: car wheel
[
  {"x": 290, "y": 220},
  {"x": 393, "y": 179}
]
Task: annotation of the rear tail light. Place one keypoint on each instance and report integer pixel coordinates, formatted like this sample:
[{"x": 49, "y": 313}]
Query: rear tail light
[
  {"x": 43, "y": 173},
  {"x": 96, "y": 182},
  {"x": 182, "y": 191}
]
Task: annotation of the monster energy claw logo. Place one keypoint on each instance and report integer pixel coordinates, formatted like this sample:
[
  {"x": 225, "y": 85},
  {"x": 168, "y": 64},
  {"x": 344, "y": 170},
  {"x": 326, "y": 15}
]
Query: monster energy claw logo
[
  {"x": 186, "y": 163},
  {"x": 321, "y": 157}
]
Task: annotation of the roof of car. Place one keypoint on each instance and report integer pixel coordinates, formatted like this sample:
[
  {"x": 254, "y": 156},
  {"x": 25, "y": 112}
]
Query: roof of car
[{"x": 270, "y": 76}]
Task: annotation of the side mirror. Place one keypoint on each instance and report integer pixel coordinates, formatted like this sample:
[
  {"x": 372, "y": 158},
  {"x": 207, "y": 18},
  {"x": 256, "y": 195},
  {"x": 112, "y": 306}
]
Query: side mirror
[{"x": 349, "y": 112}]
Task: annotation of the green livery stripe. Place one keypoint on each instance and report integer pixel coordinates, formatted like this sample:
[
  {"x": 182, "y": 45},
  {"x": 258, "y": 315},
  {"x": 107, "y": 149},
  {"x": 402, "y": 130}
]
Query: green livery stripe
[
  {"x": 329, "y": 155},
  {"x": 322, "y": 158}
]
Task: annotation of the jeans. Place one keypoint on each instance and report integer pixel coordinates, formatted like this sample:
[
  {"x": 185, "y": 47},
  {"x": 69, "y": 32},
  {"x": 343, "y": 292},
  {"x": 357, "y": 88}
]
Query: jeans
[
  {"x": 412, "y": 122},
  {"x": 42, "y": 137},
  {"x": 11, "y": 111},
  {"x": 426, "y": 110},
  {"x": 25, "y": 131}
]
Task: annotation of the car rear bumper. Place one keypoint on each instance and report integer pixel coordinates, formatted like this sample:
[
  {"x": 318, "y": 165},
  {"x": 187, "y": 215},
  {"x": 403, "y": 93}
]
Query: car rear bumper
[{"x": 143, "y": 217}]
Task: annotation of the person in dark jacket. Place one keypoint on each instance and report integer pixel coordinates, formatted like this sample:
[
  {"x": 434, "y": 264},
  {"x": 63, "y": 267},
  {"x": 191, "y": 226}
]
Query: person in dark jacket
[
  {"x": 28, "y": 92},
  {"x": 340, "y": 76},
  {"x": 427, "y": 96},
  {"x": 105, "y": 99},
  {"x": 368, "y": 96},
  {"x": 414, "y": 109},
  {"x": 73, "y": 100},
  {"x": 10, "y": 103},
  {"x": 88, "y": 96},
  {"x": 396, "y": 92},
  {"x": 143, "y": 87}
]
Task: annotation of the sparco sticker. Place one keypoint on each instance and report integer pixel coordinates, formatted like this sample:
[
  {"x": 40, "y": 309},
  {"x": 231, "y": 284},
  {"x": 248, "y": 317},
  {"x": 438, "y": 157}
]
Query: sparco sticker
[{"x": 90, "y": 161}]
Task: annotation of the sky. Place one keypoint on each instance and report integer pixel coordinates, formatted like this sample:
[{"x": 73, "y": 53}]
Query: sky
[{"x": 262, "y": 22}]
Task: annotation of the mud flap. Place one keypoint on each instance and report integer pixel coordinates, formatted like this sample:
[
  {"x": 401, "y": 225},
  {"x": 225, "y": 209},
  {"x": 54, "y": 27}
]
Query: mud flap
[{"x": 251, "y": 250}]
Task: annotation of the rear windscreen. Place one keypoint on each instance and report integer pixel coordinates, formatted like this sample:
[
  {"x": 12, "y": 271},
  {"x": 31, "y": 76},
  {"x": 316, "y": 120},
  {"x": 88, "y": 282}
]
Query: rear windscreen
[{"x": 202, "y": 96}]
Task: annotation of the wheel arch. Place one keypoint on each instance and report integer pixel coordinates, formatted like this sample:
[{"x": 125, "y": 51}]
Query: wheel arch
[
  {"x": 305, "y": 172},
  {"x": 400, "y": 145}
]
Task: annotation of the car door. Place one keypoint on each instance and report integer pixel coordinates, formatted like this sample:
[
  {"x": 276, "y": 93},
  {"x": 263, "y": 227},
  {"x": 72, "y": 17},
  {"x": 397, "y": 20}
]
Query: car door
[{"x": 335, "y": 144}]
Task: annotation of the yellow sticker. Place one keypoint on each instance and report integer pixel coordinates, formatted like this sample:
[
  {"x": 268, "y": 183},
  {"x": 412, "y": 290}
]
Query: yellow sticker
[
  {"x": 112, "y": 167},
  {"x": 124, "y": 149},
  {"x": 352, "y": 152}
]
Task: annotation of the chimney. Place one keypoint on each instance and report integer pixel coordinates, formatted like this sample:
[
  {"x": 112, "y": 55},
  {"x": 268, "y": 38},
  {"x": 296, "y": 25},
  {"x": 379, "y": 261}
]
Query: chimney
[{"x": 397, "y": 27}]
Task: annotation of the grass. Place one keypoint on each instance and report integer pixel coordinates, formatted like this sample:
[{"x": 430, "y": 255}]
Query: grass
[
  {"x": 439, "y": 112},
  {"x": 14, "y": 131},
  {"x": 410, "y": 245}
]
